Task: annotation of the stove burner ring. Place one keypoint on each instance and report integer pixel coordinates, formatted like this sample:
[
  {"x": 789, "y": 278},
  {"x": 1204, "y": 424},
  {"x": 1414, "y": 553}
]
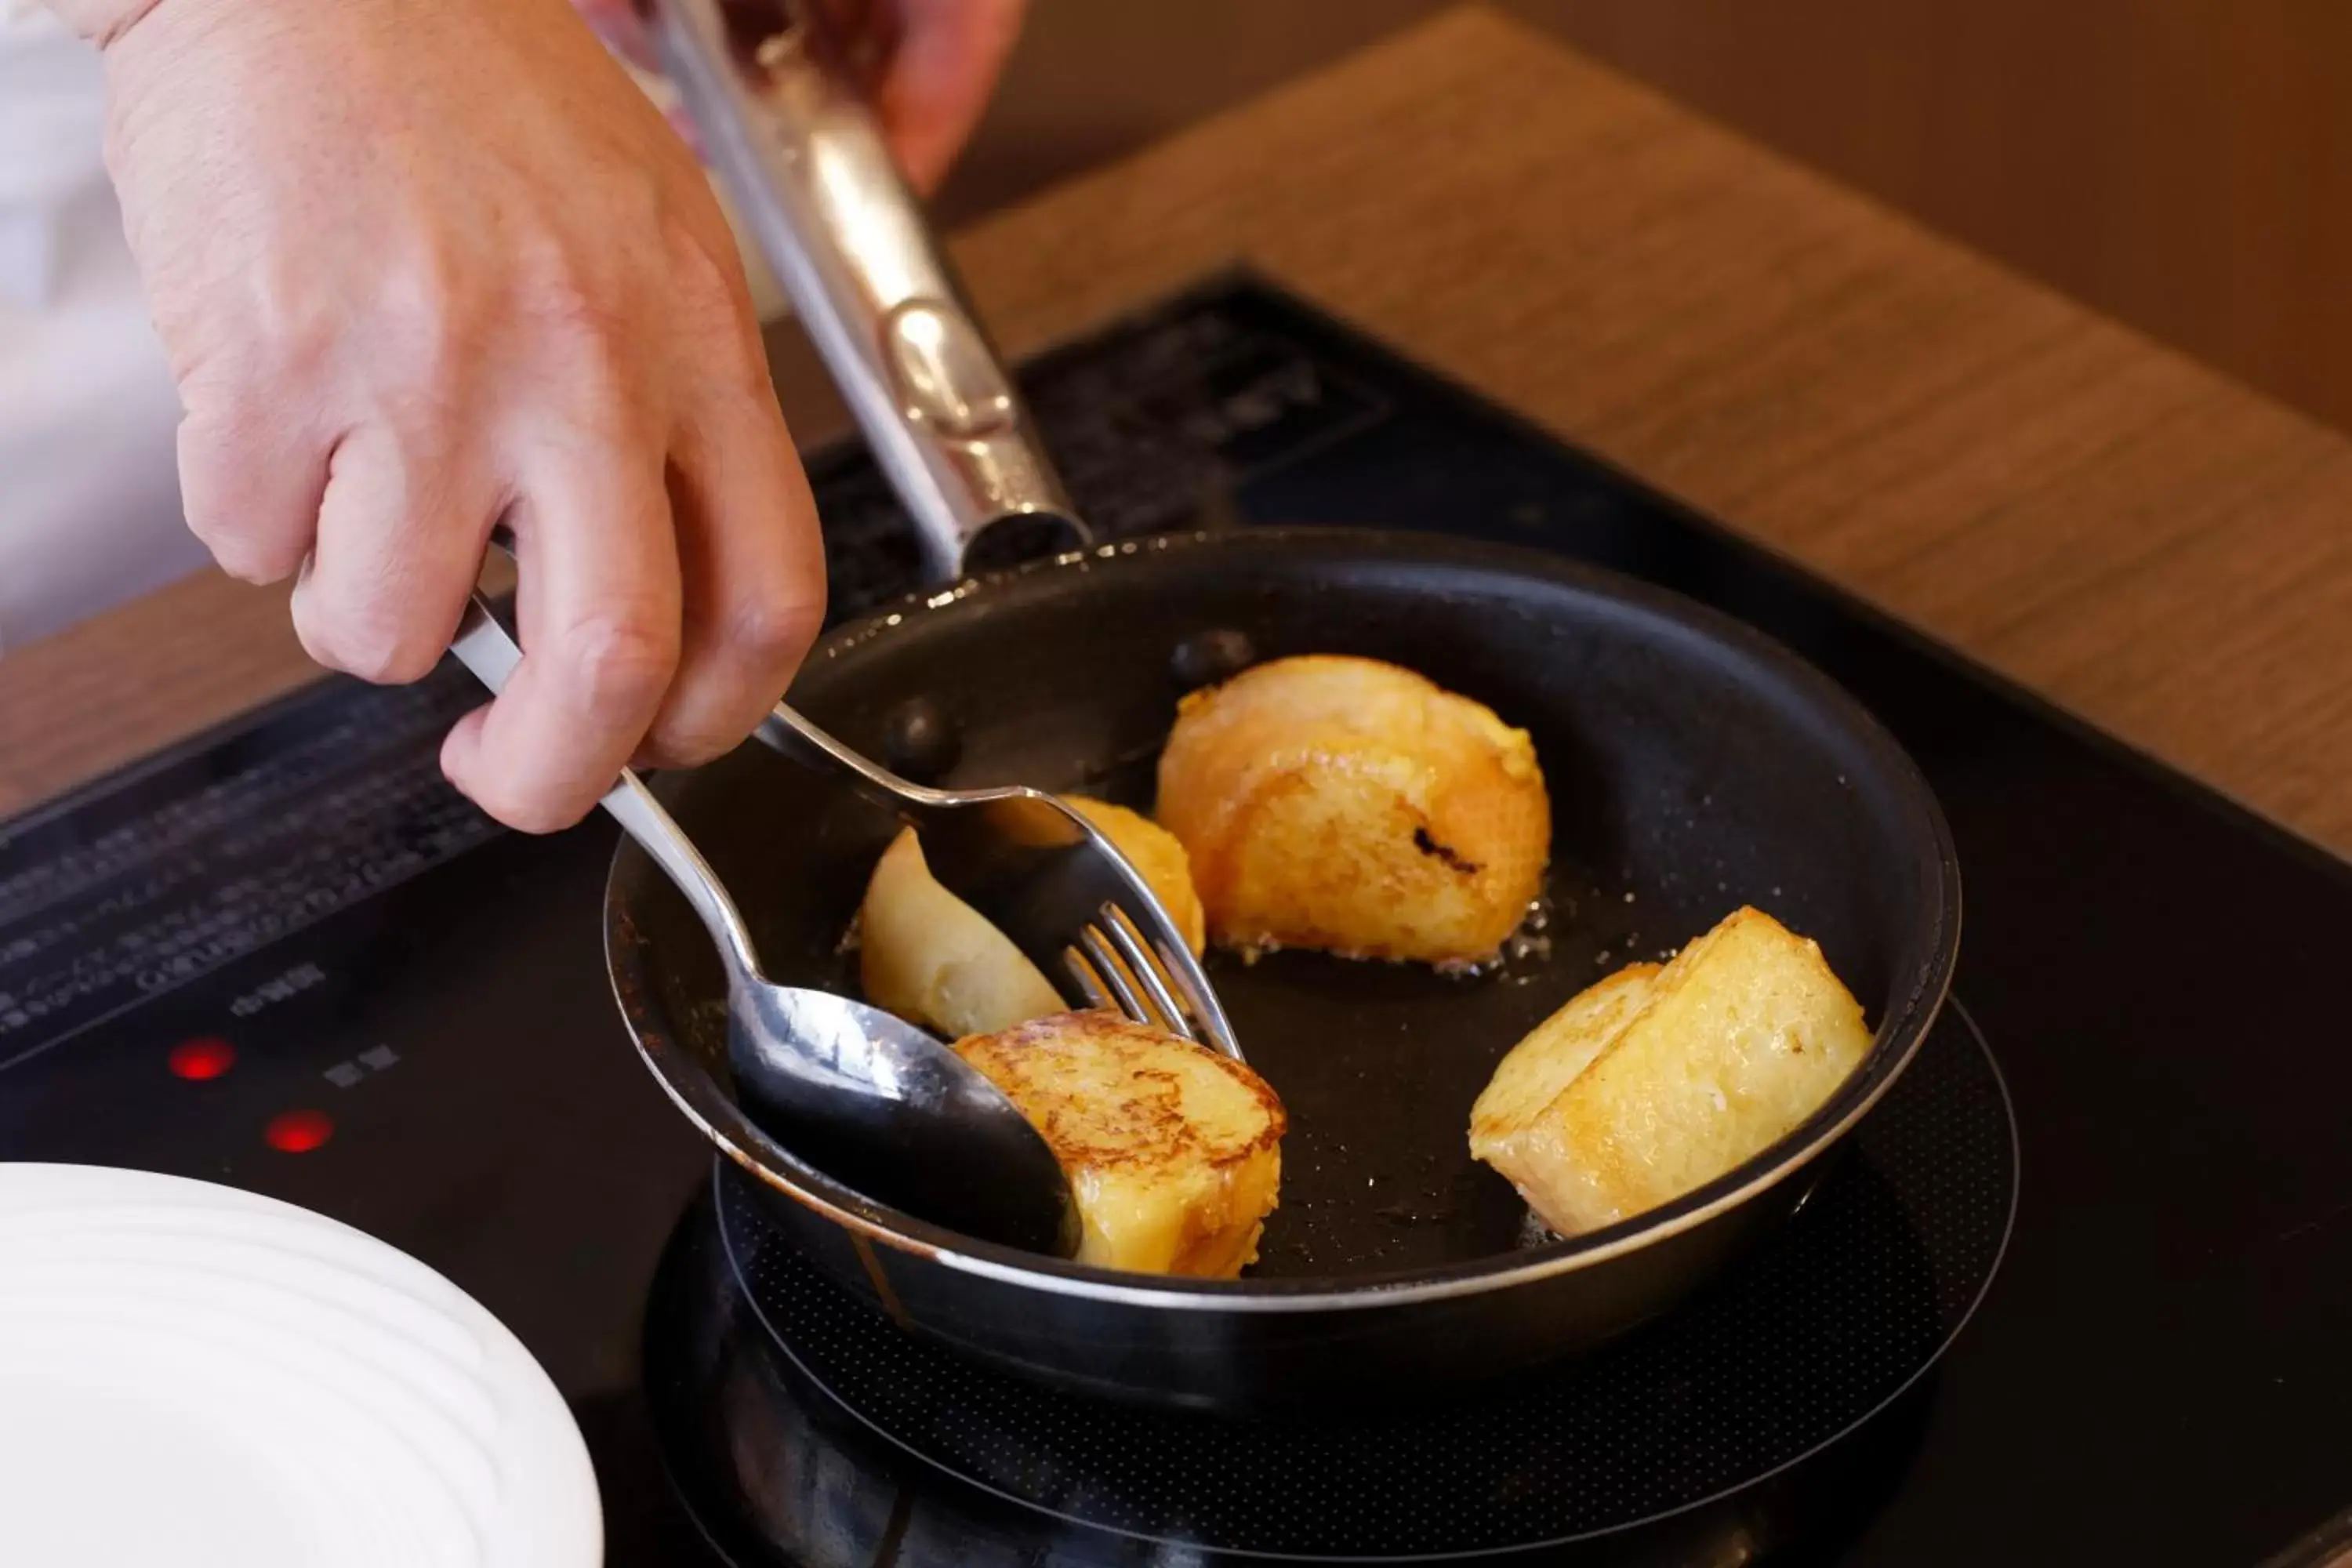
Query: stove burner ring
[{"x": 1831, "y": 1324}]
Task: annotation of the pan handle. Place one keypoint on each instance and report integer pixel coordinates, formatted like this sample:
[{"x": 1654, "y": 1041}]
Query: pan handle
[{"x": 800, "y": 155}]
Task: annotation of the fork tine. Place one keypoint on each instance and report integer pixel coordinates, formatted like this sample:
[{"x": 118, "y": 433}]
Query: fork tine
[
  {"x": 1202, "y": 1014},
  {"x": 1106, "y": 963},
  {"x": 1149, "y": 969},
  {"x": 1089, "y": 980}
]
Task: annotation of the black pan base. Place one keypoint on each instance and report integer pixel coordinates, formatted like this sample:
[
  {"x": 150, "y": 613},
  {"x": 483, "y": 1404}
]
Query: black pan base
[{"x": 1830, "y": 1325}]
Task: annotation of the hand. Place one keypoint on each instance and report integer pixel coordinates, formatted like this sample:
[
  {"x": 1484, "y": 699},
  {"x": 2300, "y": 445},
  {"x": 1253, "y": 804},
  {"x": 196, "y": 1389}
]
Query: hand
[
  {"x": 422, "y": 267},
  {"x": 928, "y": 65}
]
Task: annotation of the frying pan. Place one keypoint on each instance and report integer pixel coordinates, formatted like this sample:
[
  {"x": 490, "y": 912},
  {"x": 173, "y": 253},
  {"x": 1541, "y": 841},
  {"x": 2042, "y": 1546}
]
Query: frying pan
[{"x": 1693, "y": 767}]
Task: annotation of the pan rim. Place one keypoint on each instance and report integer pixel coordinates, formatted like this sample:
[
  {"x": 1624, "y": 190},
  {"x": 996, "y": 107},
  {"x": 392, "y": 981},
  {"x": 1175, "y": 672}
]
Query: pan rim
[{"x": 1896, "y": 1041}]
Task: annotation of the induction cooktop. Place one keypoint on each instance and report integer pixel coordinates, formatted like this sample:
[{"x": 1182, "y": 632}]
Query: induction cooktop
[{"x": 286, "y": 956}]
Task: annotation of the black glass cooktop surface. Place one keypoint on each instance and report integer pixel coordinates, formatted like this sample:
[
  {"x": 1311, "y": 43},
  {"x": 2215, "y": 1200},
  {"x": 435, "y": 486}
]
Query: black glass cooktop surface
[
  {"x": 296, "y": 916},
  {"x": 1822, "y": 1331}
]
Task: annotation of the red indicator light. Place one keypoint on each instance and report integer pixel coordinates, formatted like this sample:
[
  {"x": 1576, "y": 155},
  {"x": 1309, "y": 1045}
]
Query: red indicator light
[
  {"x": 298, "y": 1132},
  {"x": 199, "y": 1061}
]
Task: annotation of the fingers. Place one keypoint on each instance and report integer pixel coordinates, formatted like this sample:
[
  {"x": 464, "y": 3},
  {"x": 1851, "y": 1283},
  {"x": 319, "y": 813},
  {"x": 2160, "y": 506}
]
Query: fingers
[
  {"x": 401, "y": 532},
  {"x": 949, "y": 55},
  {"x": 752, "y": 574},
  {"x": 598, "y": 607},
  {"x": 251, "y": 486}
]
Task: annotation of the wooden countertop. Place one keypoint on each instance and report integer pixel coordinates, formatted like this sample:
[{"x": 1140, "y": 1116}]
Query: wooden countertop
[{"x": 2148, "y": 544}]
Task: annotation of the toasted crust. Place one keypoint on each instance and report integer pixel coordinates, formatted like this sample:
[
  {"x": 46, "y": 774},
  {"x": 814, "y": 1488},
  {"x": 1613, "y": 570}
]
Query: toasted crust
[
  {"x": 1556, "y": 1052},
  {"x": 1656, "y": 1082},
  {"x": 1174, "y": 1151},
  {"x": 1351, "y": 805},
  {"x": 933, "y": 959}
]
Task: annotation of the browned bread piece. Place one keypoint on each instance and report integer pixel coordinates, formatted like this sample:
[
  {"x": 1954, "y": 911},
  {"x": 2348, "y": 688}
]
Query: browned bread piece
[
  {"x": 1173, "y": 1151},
  {"x": 930, "y": 958},
  {"x": 1351, "y": 805},
  {"x": 1656, "y": 1081}
]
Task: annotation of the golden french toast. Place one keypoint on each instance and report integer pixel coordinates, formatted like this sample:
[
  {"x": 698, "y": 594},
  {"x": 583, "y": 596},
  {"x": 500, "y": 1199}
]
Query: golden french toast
[
  {"x": 1351, "y": 805},
  {"x": 1174, "y": 1151},
  {"x": 1656, "y": 1081},
  {"x": 933, "y": 959}
]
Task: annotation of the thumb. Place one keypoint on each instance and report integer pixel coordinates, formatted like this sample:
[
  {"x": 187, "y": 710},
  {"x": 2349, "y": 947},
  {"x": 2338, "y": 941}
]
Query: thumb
[{"x": 948, "y": 55}]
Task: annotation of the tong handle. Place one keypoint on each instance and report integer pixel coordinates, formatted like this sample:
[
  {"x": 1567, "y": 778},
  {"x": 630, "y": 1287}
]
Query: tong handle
[{"x": 797, "y": 148}]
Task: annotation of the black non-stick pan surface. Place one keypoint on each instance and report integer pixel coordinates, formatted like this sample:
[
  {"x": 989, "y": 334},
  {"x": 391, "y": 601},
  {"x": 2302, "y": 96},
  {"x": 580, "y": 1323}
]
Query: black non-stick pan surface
[{"x": 1693, "y": 767}]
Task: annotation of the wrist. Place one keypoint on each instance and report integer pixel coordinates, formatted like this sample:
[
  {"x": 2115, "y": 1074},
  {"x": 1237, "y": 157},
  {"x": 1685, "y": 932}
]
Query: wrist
[{"x": 102, "y": 21}]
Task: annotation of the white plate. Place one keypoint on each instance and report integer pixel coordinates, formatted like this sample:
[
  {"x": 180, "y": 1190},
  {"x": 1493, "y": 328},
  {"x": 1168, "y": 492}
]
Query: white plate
[{"x": 194, "y": 1375}]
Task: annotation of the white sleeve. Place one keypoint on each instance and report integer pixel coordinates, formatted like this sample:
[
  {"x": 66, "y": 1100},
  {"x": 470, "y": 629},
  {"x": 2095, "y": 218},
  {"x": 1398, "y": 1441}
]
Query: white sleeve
[{"x": 90, "y": 505}]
